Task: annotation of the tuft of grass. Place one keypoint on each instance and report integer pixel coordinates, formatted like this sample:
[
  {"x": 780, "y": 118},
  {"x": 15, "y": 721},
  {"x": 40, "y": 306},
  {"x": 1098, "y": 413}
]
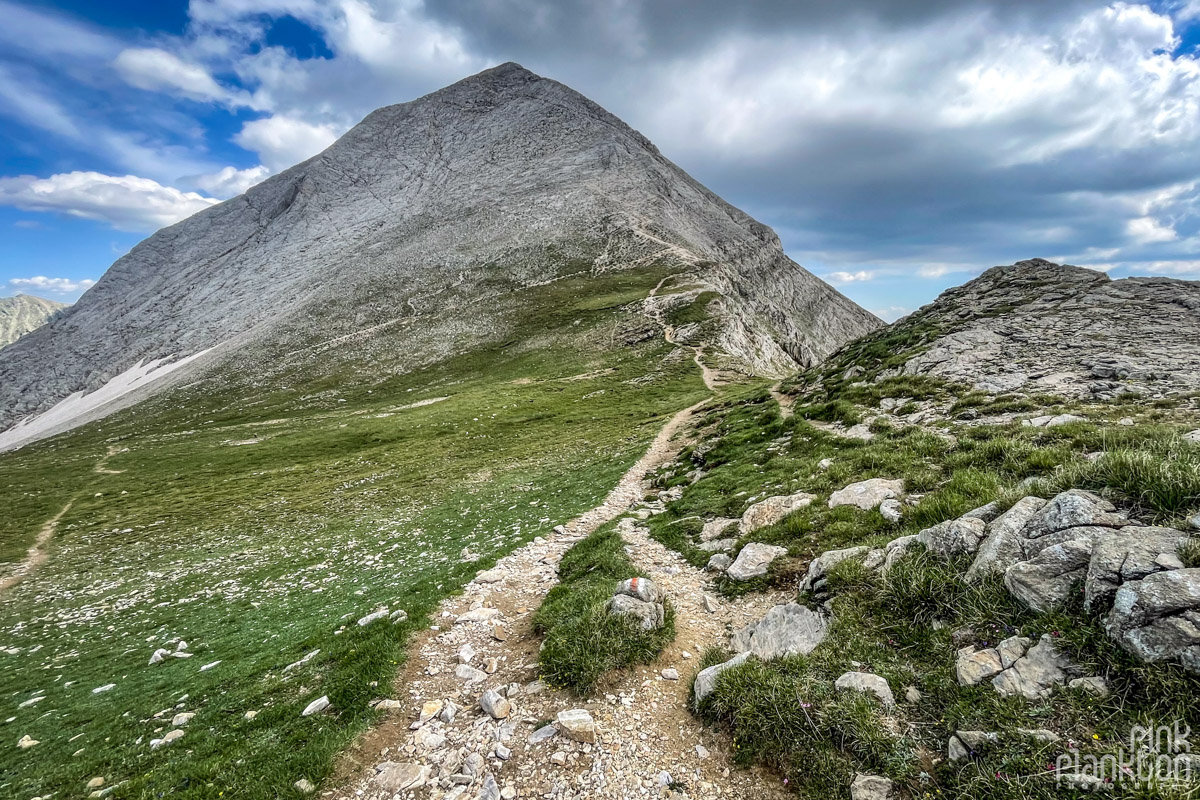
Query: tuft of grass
[
  {"x": 582, "y": 640},
  {"x": 1162, "y": 479}
]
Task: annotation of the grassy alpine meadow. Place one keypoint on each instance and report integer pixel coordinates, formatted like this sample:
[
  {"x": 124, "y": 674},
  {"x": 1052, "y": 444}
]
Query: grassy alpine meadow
[
  {"x": 904, "y": 625},
  {"x": 254, "y": 533}
]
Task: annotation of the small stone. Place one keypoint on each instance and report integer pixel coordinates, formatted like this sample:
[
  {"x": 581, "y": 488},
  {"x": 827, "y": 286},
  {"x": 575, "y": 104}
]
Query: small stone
[
  {"x": 868, "y": 683},
  {"x": 499, "y": 632},
  {"x": 490, "y": 576},
  {"x": 496, "y": 706},
  {"x": 449, "y": 712},
  {"x": 825, "y": 463},
  {"x": 559, "y": 758},
  {"x": 719, "y": 562},
  {"x": 892, "y": 511},
  {"x": 867, "y": 494},
  {"x": 430, "y": 709},
  {"x": 577, "y": 724},
  {"x": 316, "y": 706},
  {"x": 160, "y": 655},
  {"x": 209, "y": 666},
  {"x": 491, "y": 665},
  {"x": 398, "y": 616},
  {"x": 179, "y": 720},
  {"x": 304, "y": 786},
  {"x": 1093, "y": 685},
  {"x": 250, "y": 714},
  {"x": 374, "y": 616},
  {"x": 503, "y": 753},
  {"x": 710, "y": 604},
  {"x": 976, "y": 666},
  {"x": 706, "y": 679},
  {"x": 27, "y": 742},
  {"x": 395, "y": 777},
  {"x": 466, "y": 653},
  {"x": 478, "y": 615},
  {"x": 543, "y": 733},
  {"x": 469, "y": 674},
  {"x": 108, "y": 687},
  {"x": 95, "y": 783},
  {"x": 670, "y": 674},
  {"x": 912, "y": 695},
  {"x": 871, "y": 787},
  {"x": 168, "y": 737},
  {"x": 642, "y": 589},
  {"x": 701, "y": 752}
]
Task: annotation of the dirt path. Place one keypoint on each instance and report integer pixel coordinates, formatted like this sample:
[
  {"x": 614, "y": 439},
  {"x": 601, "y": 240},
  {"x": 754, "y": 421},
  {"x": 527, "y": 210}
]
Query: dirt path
[
  {"x": 643, "y": 726},
  {"x": 37, "y": 553},
  {"x": 785, "y": 401}
]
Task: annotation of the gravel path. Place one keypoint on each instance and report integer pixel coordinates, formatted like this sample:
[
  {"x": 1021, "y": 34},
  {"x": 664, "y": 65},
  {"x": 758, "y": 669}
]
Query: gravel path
[{"x": 644, "y": 733}]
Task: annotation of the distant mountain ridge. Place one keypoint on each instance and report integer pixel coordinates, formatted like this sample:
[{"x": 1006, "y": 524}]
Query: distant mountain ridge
[
  {"x": 24, "y": 313},
  {"x": 438, "y": 211}
]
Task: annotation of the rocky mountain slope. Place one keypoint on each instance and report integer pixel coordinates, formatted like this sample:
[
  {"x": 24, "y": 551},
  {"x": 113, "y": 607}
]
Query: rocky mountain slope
[
  {"x": 412, "y": 238},
  {"x": 1041, "y": 327},
  {"x": 24, "y": 313}
]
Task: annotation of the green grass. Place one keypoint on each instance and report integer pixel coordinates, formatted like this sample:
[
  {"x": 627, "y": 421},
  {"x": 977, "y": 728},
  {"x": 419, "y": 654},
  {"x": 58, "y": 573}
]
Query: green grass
[
  {"x": 784, "y": 714},
  {"x": 695, "y": 311},
  {"x": 259, "y": 524},
  {"x": 582, "y": 640}
]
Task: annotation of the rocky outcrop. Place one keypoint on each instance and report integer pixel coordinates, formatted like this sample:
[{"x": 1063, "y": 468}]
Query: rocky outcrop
[
  {"x": 1016, "y": 667},
  {"x": 1158, "y": 617},
  {"x": 445, "y": 210},
  {"x": 24, "y": 313},
  {"x": 1036, "y": 326}
]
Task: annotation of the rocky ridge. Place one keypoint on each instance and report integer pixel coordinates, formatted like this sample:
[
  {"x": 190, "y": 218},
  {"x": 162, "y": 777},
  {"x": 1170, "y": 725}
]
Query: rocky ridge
[
  {"x": 24, "y": 313},
  {"x": 1036, "y": 326}
]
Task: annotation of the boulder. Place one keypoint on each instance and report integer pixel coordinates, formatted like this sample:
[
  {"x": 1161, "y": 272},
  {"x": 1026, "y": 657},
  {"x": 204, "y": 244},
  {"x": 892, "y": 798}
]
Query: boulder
[
  {"x": 753, "y": 560},
  {"x": 868, "y": 683},
  {"x": 706, "y": 679},
  {"x": 954, "y": 537},
  {"x": 576, "y": 724},
  {"x": 785, "y": 630},
  {"x": 647, "y": 616},
  {"x": 1158, "y": 618},
  {"x": 1073, "y": 508},
  {"x": 1128, "y": 554},
  {"x": 772, "y": 510},
  {"x": 867, "y": 494},
  {"x": 1001, "y": 546},
  {"x": 1045, "y": 581},
  {"x": 871, "y": 787},
  {"x": 820, "y": 566},
  {"x": 1034, "y": 676},
  {"x": 642, "y": 589}
]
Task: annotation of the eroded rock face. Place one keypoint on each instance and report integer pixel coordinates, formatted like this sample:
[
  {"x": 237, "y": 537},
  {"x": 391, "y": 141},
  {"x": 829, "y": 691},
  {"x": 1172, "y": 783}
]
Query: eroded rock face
[
  {"x": 1158, "y": 618},
  {"x": 954, "y": 537},
  {"x": 1016, "y": 667},
  {"x": 785, "y": 630},
  {"x": 1001, "y": 547},
  {"x": 1003, "y": 332}
]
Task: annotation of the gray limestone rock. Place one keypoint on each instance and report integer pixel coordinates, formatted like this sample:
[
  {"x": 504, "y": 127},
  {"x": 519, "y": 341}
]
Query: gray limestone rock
[
  {"x": 753, "y": 560},
  {"x": 820, "y": 566},
  {"x": 868, "y": 683},
  {"x": 706, "y": 679},
  {"x": 1158, "y": 618},
  {"x": 867, "y": 494},
  {"x": 785, "y": 630},
  {"x": 1001, "y": 547},
  {"x": 772, "y": 510},
  {"x": 954, "y": 537},
  {"x": 647, "y": 616}
]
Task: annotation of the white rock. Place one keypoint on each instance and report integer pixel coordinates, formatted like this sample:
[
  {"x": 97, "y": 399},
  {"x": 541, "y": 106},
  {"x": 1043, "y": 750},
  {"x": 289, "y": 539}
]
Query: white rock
[
  {"x": 867, "y": 494},
  {"x": 497, "y": 707},
  {"x": 670, "y": 674},
  {"x": 869, "y": 683},
  {"x": 179, "y": 720},
  {"x": 753, "y": 561},
  {"x": 577, "y": 724},
  {"x": 374, "y": 616},
  {"x": 108, "y": 687},
  {"x": 304, "y": 786},
  {"x": 316, "y": 706}
]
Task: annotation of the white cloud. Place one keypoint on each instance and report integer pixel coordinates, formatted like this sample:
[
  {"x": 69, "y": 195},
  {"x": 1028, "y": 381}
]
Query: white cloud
[
  {"x": 841, "y": 277},
  {"x": 229, "y": 181},
  {"x": 154, "y": 69},
  {"x": 891, "y": 313},
  {"x": 126, "y": 202},
  {"x": 1147, "y": 230},
  {"x": 56, "y": 286},
  {"x": 283, "y": 141}
]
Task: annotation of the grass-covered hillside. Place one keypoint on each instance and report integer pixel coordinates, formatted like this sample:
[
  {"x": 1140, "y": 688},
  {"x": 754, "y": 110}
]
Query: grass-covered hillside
[
  {"x": 955, "y": 450},
  {"x": 258, "y": 529}
]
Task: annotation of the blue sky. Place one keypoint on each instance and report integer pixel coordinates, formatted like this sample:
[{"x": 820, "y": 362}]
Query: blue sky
[{"x": 897, "y": 147}]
